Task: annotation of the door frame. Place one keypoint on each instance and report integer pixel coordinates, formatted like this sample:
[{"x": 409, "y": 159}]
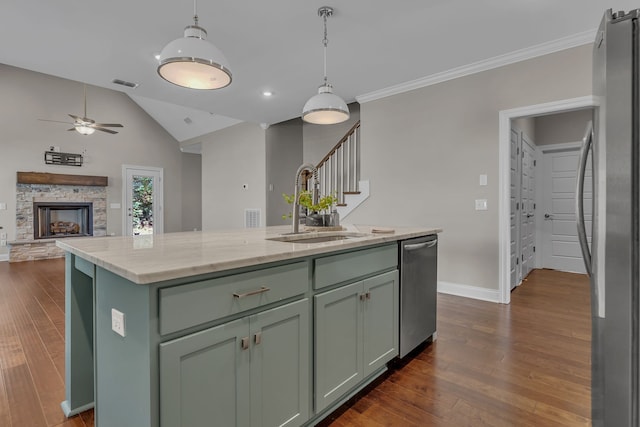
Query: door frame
[
  {"x": 158, "y": 197},
  {"x": 504, "y": 180}
]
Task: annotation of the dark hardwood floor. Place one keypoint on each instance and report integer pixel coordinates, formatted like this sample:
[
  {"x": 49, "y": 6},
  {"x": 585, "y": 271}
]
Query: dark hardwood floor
[{"x": 525, "y": 364}]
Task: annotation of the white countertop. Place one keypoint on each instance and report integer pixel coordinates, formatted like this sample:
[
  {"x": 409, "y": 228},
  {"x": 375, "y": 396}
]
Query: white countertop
[{"x": 155, "y": 258}]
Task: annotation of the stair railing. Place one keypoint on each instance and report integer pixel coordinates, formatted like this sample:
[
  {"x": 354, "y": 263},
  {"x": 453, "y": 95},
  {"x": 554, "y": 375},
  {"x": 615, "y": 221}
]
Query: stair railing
[{"x": 339, "y": 170}]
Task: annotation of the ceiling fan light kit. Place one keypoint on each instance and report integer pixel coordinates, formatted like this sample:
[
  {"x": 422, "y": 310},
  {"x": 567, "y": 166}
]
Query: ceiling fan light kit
[
  {"x": 325, "y": 108},
  {"x": 194, "y": 62}
]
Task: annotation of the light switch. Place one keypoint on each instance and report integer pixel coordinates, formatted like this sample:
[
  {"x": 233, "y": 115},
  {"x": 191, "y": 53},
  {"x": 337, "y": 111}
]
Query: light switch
[
  {"x": 481, "y": 204},
  {"x": 483, "y": 179},
  {"x": 3, "y": 206}
]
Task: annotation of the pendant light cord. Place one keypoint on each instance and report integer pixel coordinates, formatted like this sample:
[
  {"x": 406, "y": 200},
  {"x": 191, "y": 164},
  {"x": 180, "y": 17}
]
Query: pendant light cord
[
  {"x": 325, "y": 41},
  {"x": 195, "y": 12}
]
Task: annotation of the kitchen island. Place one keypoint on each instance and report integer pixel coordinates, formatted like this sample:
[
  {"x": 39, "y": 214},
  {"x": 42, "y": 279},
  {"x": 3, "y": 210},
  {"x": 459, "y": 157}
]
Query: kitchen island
[{"x": 229, "y": 328}]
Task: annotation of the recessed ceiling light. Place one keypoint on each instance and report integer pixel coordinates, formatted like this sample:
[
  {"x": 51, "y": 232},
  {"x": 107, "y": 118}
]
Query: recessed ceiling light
[{"x": 267, "y": 93}]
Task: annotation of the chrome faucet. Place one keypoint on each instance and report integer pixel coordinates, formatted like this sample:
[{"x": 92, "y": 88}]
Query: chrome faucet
[{"x": 296, "y": 193}]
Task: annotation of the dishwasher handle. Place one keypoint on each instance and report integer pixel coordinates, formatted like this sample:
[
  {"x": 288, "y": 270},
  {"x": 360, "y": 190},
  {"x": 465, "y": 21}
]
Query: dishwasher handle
[{"x": 420, "y": 245}]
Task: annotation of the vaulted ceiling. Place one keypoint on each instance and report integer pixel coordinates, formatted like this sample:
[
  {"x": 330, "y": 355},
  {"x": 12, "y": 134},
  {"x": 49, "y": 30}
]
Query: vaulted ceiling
[{"x": 276, "y": 45}]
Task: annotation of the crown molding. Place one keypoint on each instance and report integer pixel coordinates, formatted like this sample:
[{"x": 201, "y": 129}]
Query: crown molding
[{"x": 574, "y": 40}]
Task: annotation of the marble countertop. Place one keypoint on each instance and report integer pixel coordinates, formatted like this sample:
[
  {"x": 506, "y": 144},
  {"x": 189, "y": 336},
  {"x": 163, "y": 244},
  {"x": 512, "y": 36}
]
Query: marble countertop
[{"x": 155, "y": 258}]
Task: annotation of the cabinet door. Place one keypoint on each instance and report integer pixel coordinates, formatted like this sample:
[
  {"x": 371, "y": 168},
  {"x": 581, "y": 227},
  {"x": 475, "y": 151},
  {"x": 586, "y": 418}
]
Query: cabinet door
[
  {"x": 381, "y": 319},
  {"x": 338, "y": 339},
  {"x": 280, "y": 360},
  {"x": 204, "y": 378}
]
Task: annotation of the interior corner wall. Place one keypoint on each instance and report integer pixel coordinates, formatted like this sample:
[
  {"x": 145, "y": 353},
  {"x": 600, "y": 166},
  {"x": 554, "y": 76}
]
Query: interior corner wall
[
  {"x": 526, "y": 125},
  {"x": 563, "y": 127},
  {"x": 191, "y": 192},
  {"x": 283, "y": 157},
  {"x": 423, "y": 152},
  {"x": 28, "y": 96},
  {"x": 318, "y": 140},
  {"x": 232, "y": 157}
]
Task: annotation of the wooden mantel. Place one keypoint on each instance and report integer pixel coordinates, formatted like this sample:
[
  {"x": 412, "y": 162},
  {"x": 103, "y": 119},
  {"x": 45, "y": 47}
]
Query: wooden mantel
[{"x": 61, "y": 179}]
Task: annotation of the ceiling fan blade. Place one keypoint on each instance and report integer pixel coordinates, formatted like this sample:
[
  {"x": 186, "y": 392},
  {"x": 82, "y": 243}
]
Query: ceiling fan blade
[
  {"x": 55, "y": 121},
  {"x": 105, "y": 130},
  {"x": 71, "y": 129},
  {"x": 74, "y": 117},
  {"x": 109, "y": 125}
]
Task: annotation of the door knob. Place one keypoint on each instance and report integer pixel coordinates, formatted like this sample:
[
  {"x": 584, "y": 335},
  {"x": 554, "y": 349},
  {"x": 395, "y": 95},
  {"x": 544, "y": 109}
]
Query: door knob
[{"x": 548, "y": 216}]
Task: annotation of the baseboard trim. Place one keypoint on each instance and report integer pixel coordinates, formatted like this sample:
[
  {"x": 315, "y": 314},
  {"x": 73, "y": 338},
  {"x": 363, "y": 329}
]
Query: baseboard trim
[
  {"x": 4, "y": 257},
  {"x": 468, "y": 291}
]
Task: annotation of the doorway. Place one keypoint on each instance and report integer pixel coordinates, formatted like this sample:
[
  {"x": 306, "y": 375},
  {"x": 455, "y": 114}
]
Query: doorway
[
  {"x": 560, "y": 249},
  {"x": 142, "y": 200},
  {"x": 505, "y": 198}
]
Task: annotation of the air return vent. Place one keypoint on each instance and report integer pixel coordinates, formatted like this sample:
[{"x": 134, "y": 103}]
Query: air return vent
[
  {"x": 251, "y": 218},
  {"x": 125, "y": 83}
]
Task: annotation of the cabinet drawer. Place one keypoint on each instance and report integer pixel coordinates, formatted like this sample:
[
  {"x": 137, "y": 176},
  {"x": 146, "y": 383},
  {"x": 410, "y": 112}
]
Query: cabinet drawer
[
  {"x": 343, "y": 267},
  {"x": 192, "y": 304}
]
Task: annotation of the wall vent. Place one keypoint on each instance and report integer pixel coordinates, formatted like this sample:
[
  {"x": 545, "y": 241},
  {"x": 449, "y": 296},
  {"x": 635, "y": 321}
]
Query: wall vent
[
  {"x": 125, "y": 83},
  {"x": 251, "y": 218}
]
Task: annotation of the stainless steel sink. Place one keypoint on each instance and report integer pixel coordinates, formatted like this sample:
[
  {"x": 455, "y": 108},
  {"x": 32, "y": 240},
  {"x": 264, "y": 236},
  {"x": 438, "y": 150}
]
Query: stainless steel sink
[{"x": 316, "y": 237}]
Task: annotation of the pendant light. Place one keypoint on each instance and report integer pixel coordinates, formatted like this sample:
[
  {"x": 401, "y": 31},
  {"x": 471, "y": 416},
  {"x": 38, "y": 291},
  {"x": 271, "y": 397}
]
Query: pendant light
[
  {"x": 192, "y": 61},
  {"x": 325, "y": 108}
]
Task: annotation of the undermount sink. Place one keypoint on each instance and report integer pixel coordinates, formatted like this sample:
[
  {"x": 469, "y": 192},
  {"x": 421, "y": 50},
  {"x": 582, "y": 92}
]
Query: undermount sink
[{"x": 316, "y": 237}]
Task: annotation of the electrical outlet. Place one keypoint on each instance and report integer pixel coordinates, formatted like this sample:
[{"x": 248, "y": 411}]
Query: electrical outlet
[
  {"x": 3, "y": 236},
  {"x": 3, "y": 243},
  {"x": 481, "y": 204},
  {"x": 117, "y": 322}
]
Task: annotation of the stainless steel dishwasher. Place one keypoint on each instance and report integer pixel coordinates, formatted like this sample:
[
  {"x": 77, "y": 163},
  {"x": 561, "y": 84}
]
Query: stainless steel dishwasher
[{"x": 418, "y": 291}]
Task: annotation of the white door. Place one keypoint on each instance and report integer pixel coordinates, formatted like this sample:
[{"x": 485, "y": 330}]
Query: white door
[
  {"x": 560, "y": 247},
  {"x": 514, "y": 271},
  {"x": 142, "y": 200},
  {"x": 527, "y": 206}
]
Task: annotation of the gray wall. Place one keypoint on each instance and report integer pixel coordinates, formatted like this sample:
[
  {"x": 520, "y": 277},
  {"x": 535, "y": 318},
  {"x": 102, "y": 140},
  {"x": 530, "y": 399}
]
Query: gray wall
[
  {"x": 424, "y": 150},
  {"x": 318, "y": 140},
  {"x": 191, "y": 192},
  {"x": 283, "y": 157},
  {"x": 563, "y": 127},
  {"x": 232, "y": 157},
  {"x": 526, "y": 125},
  {"x": 28, "y": 96}
]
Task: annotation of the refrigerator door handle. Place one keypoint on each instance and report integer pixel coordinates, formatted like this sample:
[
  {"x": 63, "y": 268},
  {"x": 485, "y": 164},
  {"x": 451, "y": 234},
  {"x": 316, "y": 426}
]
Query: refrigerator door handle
[{"x": 582, "y": 168}]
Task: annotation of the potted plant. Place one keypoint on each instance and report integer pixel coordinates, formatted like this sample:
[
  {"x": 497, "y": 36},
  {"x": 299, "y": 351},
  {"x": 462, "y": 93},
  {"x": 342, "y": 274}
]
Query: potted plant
[{"x": 318, "y": 214}]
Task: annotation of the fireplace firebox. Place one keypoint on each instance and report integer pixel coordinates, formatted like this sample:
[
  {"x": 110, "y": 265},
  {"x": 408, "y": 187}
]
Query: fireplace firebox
[{"x": 52, "y": 220}]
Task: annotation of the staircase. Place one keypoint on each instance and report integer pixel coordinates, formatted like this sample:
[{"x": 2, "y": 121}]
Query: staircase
[{"x": 339, "y": 173}]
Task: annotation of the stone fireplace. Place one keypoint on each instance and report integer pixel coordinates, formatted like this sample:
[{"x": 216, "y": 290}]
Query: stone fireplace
[{"x": 53, "y": 206}]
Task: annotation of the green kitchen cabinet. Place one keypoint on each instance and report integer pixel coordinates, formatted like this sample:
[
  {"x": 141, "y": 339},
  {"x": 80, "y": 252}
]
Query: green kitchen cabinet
[
  {"x": 356, "y": 334},
  {"x": 253, "y": 371}
]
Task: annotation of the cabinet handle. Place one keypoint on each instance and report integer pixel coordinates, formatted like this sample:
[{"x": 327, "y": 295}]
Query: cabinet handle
[
  {"x": 257, "y": 338},
  {"x": 248, "y": 294},
  {"x": 368, "y": 295},
  {"x": 363, "y": 297},
  {"x": 244, "y": 343}
]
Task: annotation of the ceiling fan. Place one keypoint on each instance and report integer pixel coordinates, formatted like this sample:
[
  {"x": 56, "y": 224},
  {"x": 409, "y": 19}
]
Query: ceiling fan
[{"x": 85, "y": 125}]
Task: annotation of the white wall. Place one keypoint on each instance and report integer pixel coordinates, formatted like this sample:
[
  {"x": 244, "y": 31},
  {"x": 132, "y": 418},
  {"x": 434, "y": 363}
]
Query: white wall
[
  {"x": 423, "y": 152},
  {"x": 232, "y": 157},
  {"x": 27, "y": 96},
  {"x": 191, "y": 192}
]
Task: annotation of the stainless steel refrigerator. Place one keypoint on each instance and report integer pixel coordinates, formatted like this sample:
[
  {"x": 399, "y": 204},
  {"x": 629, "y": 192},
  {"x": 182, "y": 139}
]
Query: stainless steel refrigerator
[{"x": 613, "y": 257}]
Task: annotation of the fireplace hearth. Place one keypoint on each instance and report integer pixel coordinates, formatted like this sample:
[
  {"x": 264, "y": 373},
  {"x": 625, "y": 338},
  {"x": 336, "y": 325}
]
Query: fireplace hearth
[{"x": 53, "y": 220}]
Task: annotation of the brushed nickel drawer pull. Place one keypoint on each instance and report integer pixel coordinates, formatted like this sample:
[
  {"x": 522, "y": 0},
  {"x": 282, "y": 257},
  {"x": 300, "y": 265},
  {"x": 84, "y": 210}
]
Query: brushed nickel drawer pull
[
  {"x": 257, "y": 338},
  {"x": 248, "y": 294},
  {"x": 244, "y": 343}
]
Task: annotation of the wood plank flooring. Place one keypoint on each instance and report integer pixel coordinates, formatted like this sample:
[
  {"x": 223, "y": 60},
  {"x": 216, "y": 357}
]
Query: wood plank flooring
[{"x": 525, "y": 364}]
